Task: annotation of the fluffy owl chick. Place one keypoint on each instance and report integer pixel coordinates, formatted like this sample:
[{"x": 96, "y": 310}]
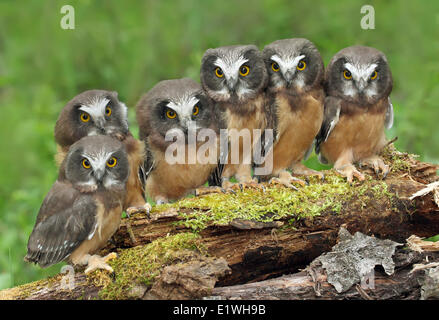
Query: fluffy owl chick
[
  {"x": 84, "y": 206},
  {"x": 178, "y": 106},
  {"x": 99, "y": 112},
  {"x": 295, "y": 98},
  {"x": 358, "y": 83},
  {"x": 235, "y": 77}
]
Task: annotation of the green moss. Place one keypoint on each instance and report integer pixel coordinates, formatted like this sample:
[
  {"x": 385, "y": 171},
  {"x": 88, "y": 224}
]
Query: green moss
[
  {"x": 273, "y": 203},
  {"x": 398, "y": 161},
  {"x": 140, "y": 265}
]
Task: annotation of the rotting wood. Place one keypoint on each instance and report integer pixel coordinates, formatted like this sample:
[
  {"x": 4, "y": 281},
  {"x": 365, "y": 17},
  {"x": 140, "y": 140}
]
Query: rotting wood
[{"x": 272, "y": 250}]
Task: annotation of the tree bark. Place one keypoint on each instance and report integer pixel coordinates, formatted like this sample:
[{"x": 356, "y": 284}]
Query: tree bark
[
  {"x": 312, "y": 284},
  {"x": 257, "y": 251}
]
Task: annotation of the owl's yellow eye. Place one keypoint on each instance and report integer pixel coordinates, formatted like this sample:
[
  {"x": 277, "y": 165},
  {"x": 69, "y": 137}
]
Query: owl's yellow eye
[
  {"x": 196, "y": 110},
  {"x": 374, "y": 75},
  {"x": 112, "y": 162},
  {"x": 85, "y": 117},
  {"x": 301, "y": 65},
  {"x": 347, "y": 75},
  {"x": 108, "y": 111},
  {"x": 86, "y": 164},
  {"x": 275, "y": 67},
  {"x": 219, "y": 73},
  {"x": 171, "y": 114},
  {"x": 244, "y": 70}
]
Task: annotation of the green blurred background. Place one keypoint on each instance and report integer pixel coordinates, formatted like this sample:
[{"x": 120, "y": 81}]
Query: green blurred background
[{"x": 128, "y": 46}]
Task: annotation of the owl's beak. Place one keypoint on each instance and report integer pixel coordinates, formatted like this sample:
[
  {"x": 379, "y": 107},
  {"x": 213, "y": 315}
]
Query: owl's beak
[
  {"x": 362, "y": 84},
  {"x": 99, "y": 122},
  {"x": 289, "y": 76},
  {"x": 231, "y": 84},
  {"x": 99, "y": 173}
]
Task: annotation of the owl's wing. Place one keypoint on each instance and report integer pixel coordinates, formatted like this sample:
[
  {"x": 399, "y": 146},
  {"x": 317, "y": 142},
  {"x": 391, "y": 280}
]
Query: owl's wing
[
  {"x": 215, "y": 178},
  {"x": 148, "y": 165},
  {"x": 389, "y": 115},
  {"x": 330, "y": 120},
  {"x": 66, "y": 218}
]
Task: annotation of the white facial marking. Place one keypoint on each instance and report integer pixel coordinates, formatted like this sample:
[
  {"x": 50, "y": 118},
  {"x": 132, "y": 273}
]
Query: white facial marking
[
  {"x": 98, "y": 160},
  {"x": 184, "y": 107},
  {"x": 287, "y": 63},
  {"x": 360, "y": 71},
  {"x": 96, "y": 107},
  {"x": 230, "y": 66}
]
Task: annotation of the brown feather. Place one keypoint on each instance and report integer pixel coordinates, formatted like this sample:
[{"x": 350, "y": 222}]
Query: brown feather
[
  {"x": 361, "y": 131},
  {"x": 297, "y": 126}
]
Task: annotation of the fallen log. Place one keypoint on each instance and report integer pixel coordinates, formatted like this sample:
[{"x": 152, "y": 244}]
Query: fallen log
[
  {"x": 313, "y": 284},
  {"x": 261, "y": 233}
]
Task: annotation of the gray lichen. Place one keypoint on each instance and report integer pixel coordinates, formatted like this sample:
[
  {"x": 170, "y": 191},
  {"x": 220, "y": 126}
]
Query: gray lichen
[{"x": 354, "y": 257}]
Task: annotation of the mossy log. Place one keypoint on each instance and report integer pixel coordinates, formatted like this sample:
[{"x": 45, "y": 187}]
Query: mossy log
[{"x": 260, "y": 233}]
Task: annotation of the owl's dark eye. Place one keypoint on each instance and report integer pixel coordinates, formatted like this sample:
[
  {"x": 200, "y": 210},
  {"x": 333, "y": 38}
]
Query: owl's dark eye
[
  {"x": 108, "y": 111},
  {"x": 275, "y": 67},
  {"x": 218, "y": 72},
  {"x": 86, "y": 164},
  {"x": 112, "y": 162},
  {"x": 347, "y": 75},
  {"x": 171, "y": 114},
  {"x": 374, "y": 75},
  {"x": 85, "y": 117},
  {"x": 244, "y": 70},
  {"x": 301, "y": 65},
  {"x": 196, "y": 110}
]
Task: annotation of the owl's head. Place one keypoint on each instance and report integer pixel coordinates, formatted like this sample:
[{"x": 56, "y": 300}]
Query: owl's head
[
  {"x": 175, "y": 104},
  {"x": 293, "y": 64},
  {"x": 90, "y": 113},
  {"x": 96, "y": 162},
  {"x": 359, "y": 75},
  {"x": 233, "y": 74}
]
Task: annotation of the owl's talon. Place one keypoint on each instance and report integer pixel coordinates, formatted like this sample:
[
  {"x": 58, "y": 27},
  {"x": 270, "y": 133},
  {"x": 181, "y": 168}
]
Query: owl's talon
[
  {"x": 377, "y": 165},
  {"x": 142, "y": 209},
  {"x": 350, "y": 172},
  {"x": 96, "y": 262}
]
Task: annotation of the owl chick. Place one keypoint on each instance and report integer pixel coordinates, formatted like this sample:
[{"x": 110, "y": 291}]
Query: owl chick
[
  {"x": 96, "y": 112},
  {"x": 178, "y": 105},
  {"x": 295, "y": 98},
  {"x": 84, "y": 206},
  {"x": 358, "y": 82},
  {"x": 235, "y": 77}
]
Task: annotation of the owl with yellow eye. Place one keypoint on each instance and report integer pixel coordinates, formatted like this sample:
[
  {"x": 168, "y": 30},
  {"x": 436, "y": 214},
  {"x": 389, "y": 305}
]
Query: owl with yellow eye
[
  {"x": 99, "y": 112},
  {"x": 295, "y": 100},
  {"x": 180, "y": 106},
  {"x": 235, "y": 77},
  {"x": 358, "y": 82}
]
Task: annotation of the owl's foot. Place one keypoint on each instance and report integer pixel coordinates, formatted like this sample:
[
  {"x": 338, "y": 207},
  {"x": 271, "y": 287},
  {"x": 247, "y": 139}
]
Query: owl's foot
[
  {"x": 249, "y": 183},
  {"x": 302, "y": 170},
  {"x": 208, "y": 190},
  {"x": 349, "y": 171},
  {"x": 377, "y": 164},
  {"x": 286, "y": 179},
  {"x": 96, "y": 262},
  {"x": 146, "y": 209}
]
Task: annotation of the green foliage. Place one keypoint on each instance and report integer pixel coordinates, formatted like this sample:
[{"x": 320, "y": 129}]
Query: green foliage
[{"x": 128, "y": 46}]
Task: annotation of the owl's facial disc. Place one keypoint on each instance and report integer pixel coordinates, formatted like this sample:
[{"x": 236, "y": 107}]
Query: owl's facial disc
[
  {"x": 231, "y": 71},
  {"x": 98, "y": 166},
  {"x": 97, "y": 111},
  {"x": 184, "y": 110},
  {"x": 289, "y": 67},
  {"x": 362, "y": 76},
  {"x": 100, "y": 116}
]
